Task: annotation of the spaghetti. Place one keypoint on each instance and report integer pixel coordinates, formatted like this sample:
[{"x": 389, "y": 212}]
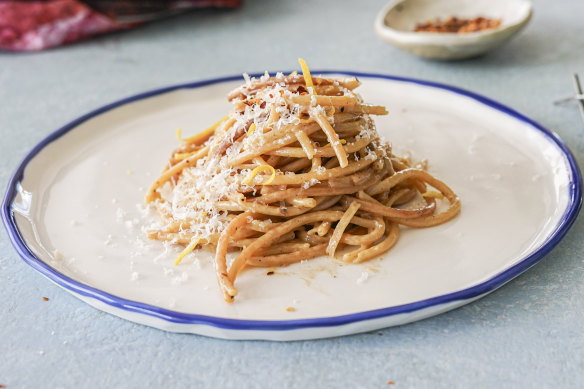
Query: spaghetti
[{"x": 295, "y": 171}]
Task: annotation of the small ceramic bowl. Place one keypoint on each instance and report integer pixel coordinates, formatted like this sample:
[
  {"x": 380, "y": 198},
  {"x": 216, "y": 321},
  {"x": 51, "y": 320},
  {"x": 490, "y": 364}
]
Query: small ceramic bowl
[{"x": 397, "y": 21}]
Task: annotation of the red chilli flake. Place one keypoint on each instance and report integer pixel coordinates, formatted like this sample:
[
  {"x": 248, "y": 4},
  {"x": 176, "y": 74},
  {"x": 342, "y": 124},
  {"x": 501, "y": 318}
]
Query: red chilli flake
[{"x": 46, "y": 299}]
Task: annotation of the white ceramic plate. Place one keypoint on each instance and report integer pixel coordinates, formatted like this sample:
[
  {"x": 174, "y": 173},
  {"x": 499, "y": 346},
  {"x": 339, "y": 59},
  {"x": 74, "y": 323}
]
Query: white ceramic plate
[{"x": 77, "y": 196}]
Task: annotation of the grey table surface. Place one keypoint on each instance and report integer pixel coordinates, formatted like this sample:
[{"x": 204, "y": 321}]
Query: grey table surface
[{"x": 526, "y": 334}]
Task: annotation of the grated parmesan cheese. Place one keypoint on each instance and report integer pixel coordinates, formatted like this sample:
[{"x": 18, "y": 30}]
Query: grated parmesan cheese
[
  {"x": 193, "y": 196},
  {"x": 364, "y": 277},
  {"x": 310, "y": 183}
]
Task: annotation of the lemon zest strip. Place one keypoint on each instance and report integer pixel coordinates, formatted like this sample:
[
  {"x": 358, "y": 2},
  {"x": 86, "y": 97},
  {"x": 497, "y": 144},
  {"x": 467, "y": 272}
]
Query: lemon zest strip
[
  {"x": 201, "y": 136},
  {"x": 257, "y": 169},
  {"x": 186, "y": 251},
  {"x": 306, "y": 74},
  {"x": 343, "y": 142},
  {"x": 252, "y": 128},
  {"x": 433, "y": 195}
]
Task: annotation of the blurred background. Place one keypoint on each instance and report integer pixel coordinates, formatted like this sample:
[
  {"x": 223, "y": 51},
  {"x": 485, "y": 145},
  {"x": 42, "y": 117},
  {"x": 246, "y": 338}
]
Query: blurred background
[{"x": 270, "y": 35}]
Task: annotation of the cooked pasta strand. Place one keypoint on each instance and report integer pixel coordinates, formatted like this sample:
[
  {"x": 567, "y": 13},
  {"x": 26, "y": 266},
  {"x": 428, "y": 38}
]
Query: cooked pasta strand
[
  {"x": 340, "y": 228},
  {"x": 293, "y": 173}
]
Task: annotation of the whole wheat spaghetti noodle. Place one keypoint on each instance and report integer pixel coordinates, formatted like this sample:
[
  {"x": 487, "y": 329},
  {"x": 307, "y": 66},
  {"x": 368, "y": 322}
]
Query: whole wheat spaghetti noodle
[{"x": 295, "y": 171}]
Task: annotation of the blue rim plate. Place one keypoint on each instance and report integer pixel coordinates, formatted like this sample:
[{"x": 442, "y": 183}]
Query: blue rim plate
[{"x": 112, "y": 302}]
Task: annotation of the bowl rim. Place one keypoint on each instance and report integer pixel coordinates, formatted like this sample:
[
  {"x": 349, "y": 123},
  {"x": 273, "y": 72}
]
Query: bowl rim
[{"x": 386, "y": 32}]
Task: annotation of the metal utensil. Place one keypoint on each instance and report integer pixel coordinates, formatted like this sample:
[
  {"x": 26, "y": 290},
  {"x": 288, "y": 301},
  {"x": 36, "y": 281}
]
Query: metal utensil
[
  {"x": 579, "y": 91},
  {"x": 579, "y": 96}
]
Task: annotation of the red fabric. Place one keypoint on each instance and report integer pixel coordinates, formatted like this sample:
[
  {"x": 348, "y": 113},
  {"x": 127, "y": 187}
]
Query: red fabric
[{"x": 37, "y": 25}]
